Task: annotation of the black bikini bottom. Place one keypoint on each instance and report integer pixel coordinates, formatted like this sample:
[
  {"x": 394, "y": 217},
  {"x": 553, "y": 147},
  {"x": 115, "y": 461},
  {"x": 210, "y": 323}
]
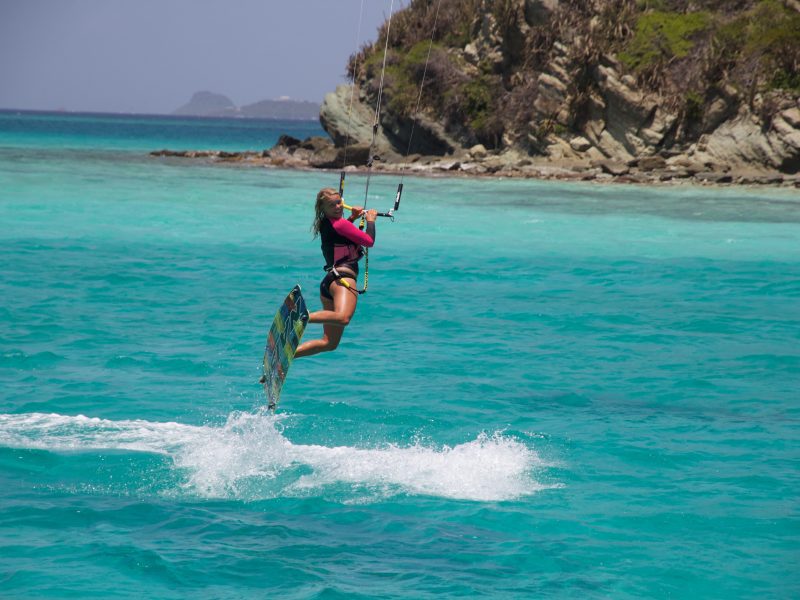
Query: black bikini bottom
[{"x": 331, "y": 276}]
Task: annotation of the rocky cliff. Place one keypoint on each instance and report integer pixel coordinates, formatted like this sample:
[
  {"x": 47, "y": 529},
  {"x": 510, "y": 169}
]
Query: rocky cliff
[{"x": 697, "y": 85}]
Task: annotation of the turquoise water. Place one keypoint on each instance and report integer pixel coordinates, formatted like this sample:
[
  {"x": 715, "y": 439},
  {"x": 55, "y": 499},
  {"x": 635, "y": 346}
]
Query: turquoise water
[{"x": 550, "y": 390}]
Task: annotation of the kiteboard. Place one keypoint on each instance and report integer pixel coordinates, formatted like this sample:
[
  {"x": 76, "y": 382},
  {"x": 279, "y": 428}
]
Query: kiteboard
[{"x": 284, "y": 336}]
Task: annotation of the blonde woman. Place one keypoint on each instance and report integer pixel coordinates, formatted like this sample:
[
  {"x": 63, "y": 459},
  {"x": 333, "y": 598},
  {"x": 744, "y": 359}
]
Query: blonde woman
[{"x": 342, "y": 248}]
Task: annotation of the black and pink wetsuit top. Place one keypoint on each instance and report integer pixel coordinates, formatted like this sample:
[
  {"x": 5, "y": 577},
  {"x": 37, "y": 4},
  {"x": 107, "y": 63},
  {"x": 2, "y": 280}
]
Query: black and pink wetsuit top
[{"x": 342, "y": 242}]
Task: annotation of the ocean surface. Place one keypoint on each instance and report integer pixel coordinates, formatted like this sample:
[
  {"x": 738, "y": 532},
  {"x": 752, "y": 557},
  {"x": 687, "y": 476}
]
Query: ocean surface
[{"x": 551, "y": 390}]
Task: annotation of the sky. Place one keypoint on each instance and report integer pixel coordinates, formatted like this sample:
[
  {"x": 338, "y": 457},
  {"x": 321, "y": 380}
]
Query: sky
[{"x": 150, "y": 56}]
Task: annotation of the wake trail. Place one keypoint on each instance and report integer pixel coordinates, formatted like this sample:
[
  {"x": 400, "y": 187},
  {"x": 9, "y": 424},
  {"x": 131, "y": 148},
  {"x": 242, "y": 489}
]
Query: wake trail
[{"x": 249, "y": 458}]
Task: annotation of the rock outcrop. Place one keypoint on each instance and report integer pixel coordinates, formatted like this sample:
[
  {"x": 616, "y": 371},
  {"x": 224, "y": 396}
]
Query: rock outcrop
[
  {"x": 747, "y": 141},
  {"x": 348, "y": 118}
]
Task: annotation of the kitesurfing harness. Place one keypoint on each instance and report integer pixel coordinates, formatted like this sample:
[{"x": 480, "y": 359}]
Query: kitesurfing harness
[{"x": 343, "y": 245}]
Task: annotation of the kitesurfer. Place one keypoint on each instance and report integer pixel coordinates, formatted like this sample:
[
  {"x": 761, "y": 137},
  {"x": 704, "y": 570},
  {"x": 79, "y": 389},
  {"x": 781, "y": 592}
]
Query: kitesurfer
[{"x": 342, "y": 248}]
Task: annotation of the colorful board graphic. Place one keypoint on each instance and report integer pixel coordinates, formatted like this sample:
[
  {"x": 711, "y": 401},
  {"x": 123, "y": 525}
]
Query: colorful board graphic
[{"x": 284, "y": 336}]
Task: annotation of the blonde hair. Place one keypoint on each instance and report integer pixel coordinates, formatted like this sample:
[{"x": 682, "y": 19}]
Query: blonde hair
[{"x": 319, "y": 208}]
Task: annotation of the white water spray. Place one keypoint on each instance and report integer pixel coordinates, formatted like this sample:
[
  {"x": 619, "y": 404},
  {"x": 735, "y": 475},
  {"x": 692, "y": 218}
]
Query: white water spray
[{"x": 249, "y": 458}]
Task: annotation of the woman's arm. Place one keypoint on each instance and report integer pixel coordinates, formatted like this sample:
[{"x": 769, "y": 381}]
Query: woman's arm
[{"x": 345, "y": 228}]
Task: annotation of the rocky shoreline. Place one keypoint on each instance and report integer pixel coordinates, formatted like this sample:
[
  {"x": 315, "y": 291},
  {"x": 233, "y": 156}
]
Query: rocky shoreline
[{"x": 318, "y": 153}]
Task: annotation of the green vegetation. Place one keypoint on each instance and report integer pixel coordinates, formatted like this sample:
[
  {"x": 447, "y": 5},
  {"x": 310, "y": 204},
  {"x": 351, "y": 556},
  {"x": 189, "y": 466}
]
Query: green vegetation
[
  {"x": 693, "y": 107},
  {"x": 454, "y": 22},
  {"x": 478, "y": 102},
  {"x": 644, "y": 5},
  {"x": 472, "y": 99},
  {"x": 765, "y": 39},
  {"x": 661, "y": 36},
  {"x": 457, "y": 29},
  {"x": 403, "y": 76},
  {"x": 760, "y": 48}
]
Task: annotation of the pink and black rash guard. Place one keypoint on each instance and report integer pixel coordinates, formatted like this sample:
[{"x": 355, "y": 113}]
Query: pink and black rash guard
[{"x": 342, "y": 242}]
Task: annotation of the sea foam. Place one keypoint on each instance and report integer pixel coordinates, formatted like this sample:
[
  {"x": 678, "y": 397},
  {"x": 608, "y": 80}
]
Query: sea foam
[{"x": 250, "y": 458}]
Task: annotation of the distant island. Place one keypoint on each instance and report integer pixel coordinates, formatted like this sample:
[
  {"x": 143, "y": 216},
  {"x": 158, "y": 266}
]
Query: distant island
[{"x": 210, "y": 104}]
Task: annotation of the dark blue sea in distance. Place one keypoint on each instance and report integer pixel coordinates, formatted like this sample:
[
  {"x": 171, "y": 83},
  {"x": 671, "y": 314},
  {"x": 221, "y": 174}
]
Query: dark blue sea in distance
[
  {"x": 551, "y": 390},
  {"x": 136, "y": 133}
]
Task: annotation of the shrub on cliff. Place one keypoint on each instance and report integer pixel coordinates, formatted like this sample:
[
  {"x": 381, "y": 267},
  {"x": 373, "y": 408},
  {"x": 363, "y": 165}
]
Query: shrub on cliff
[{"x": 660, "y": 37}]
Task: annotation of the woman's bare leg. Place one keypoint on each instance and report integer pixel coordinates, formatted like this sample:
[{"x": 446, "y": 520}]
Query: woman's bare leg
[{"x": 334, "y": 317}]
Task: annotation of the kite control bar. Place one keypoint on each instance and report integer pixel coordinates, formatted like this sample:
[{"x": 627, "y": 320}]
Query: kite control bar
[{"x": 389, "y": 213}]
